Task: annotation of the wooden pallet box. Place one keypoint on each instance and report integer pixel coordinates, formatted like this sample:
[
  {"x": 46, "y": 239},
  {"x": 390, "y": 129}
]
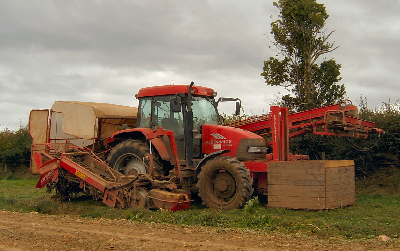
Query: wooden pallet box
[{"x": 311, "y": 184}]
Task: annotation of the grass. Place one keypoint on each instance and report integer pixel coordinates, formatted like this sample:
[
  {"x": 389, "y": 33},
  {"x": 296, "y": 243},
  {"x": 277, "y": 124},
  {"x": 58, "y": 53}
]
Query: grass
[{"x": 372, "y": 215}]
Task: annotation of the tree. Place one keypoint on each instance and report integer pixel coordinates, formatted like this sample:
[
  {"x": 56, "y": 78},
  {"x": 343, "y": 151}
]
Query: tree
[{"x": 300, "y": 40}]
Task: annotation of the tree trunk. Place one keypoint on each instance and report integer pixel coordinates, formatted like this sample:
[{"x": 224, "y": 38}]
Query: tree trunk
[{"x": 309, "y": 85}]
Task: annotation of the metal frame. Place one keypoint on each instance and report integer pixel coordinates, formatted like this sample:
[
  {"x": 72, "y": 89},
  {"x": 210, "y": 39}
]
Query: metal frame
[{"x": 280, "y": 126}]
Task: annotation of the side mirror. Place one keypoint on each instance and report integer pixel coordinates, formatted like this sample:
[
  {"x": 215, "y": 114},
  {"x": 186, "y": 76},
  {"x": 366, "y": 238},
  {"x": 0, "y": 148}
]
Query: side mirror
[
  {"x": 238, "y": 106},
  {"x": 238, "y": 103},
  {"x": 176, "y": 104}
]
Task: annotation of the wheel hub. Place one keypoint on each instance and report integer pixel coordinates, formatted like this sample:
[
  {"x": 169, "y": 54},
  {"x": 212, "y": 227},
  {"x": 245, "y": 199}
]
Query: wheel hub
[
  {"x": 224, "y": 185},
  {"x": 221, "y": 185},
  {"x": 134, "y": 166}
]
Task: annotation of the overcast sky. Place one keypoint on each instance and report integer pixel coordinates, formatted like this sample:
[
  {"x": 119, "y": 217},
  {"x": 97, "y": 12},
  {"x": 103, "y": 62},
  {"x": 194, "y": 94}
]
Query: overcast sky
[{"x": 105, "y": 51}]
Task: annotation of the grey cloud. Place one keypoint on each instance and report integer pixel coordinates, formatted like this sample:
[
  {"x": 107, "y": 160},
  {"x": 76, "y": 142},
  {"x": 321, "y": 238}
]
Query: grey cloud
[
  {"x": 104, "y": 51},
  {"x": 157, "y": 35}
]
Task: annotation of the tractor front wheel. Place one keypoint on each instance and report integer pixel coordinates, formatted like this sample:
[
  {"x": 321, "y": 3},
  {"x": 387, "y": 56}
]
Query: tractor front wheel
[{"x": 225, "y": 183}]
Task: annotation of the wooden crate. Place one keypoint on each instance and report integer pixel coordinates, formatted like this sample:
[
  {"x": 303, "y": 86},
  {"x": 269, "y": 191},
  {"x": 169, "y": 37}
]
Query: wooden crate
[{"x": 311, "y": 184}]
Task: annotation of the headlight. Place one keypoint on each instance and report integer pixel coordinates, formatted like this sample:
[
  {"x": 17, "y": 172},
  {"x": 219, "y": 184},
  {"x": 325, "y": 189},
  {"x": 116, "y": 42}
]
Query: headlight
[{"x": 257, "y": 149}]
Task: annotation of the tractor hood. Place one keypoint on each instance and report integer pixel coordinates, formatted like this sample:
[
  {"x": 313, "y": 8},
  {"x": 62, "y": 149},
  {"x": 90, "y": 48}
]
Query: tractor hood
[{"x": 242, "y": 144}]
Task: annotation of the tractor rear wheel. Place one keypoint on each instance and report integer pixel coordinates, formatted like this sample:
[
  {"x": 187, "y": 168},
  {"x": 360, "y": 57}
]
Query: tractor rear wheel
[
  {"x": 130, "y": 157},
  {"x": 225, "y": 183}
]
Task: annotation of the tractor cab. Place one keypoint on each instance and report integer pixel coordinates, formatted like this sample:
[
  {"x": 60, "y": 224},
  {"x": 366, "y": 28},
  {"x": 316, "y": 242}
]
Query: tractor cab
[
  {"x": 168, "y": 106},
  {"x": 179, "y": 129}
]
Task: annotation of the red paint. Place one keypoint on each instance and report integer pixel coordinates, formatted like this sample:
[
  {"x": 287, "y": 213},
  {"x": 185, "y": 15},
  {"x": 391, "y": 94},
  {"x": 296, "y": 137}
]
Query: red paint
[
  {"x": 217, "y": 137},
  {"x": 46, "y": 177},
  {"x": 257, "y": 166},
  {"x": 173, "y": 89},
  {"x": 89, "y": 178},
  {"x": 180, "y": 206},
  {"x": 280, "y": 126}
]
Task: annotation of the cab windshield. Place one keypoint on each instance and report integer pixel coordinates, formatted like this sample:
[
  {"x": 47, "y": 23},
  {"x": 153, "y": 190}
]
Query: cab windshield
[
  {"x": 156, "y": 112},
  {"x": 204, "y": 112}
]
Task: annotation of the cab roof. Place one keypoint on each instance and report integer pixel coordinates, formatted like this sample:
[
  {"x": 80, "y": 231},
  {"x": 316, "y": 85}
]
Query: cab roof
[{"x": 174, "y": 89}]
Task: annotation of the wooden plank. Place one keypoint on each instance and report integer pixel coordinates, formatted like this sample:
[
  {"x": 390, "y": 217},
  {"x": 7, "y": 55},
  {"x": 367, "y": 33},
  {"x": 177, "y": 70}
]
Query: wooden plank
[
  {"x": 338, "y": 182},
  {"x": 336, "y": 163},
  {"x": 297, "y": 170},
  {"x": 310, "y": 166},
  {"x": 333, "y": 171},
  {"x": 337, "y": 170},
  {"x": 297, "y": 205},
  {"x": 340, "y": 187},
  {"x": 338, "y": 194},
  {"x": 340, "y": 177},
  {"x": 345, "y": 179},
  {"x": 297, "y": 193},
  {"x": 288, "y": 188},
  {"x": 277, "y": 176},
  {"x": 341, "y": 174},
  {"x": 347, "y": 197},
  {"x": 297, "y": 199},
  {"x": 297, "y": 182}
]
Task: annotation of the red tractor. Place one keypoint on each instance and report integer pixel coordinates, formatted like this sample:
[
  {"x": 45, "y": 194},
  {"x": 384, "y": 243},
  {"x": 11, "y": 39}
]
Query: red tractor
[{"x": 179, "y": 128}]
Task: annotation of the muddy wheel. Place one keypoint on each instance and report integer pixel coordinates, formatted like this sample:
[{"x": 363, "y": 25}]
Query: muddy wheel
[
  {"x": 141, "y": 201},
  {"x": 225, "y": 183},
  {"x": 130, "y": 157}
]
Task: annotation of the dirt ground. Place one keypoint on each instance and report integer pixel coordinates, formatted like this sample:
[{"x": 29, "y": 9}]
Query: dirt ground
[{"x": 32, "y": 231}]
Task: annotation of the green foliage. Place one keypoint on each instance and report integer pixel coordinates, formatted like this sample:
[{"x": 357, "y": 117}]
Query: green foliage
[
  {"x": 387, "y": 151},
  {"x": 325, "y": 77},
  {"x": 371, "y": 154},
  {"x": 384, "y": 181},
  {"x": 300, "y": 40},
  {"x": 252, "y": 205},
  {"x": 15, "y": 147},
  {"x": 226, "y": 118},
  {"x": 22, "y": 196}
]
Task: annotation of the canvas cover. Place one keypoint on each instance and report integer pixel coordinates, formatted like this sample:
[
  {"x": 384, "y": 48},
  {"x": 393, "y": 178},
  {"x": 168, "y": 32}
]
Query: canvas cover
[
  {"x": 88, "y": 120},
  {"x": 39, "y": 131}
]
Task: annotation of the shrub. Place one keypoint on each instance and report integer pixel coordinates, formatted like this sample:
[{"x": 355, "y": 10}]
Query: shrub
[{"x": 15, "y": 147}]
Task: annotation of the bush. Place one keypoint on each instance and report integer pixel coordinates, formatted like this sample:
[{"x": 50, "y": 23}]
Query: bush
[
  {"x": 370, "y": 155},
  {"x": 15, "y": 147}
]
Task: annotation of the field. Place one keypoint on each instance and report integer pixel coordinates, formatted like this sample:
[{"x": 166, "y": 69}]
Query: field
[{"x": 375, "y": 213}]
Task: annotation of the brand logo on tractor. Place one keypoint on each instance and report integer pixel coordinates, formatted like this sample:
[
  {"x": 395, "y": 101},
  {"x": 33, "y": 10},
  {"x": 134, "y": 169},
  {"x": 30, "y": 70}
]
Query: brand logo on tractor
[
  {"x": 219, "y": 141},
  {"x": 217, "y": 136}
]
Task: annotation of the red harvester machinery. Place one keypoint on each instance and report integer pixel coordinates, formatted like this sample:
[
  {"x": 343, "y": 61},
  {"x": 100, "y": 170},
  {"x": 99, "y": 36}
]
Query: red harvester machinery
[{"x": 173, "y": 145}]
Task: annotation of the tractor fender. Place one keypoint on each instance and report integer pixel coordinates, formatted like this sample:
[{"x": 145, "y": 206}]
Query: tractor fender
[
  {"x": 142, "y": 134},
  {"x": 208, "y": 157}
]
